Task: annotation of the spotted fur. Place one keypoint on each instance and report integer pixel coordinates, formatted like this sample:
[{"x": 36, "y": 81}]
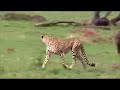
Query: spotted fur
[{"x": 62, "y": 47}]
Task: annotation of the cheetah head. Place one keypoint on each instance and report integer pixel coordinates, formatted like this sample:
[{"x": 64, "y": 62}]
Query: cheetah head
[{"x": 42, "y": 36}]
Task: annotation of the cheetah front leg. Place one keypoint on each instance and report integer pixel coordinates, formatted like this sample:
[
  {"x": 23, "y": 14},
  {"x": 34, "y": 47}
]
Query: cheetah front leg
[
  {"x": 46, "y": 59},
  {"x": 74, "y": 60},
  {"x": 63, "y": 61}
]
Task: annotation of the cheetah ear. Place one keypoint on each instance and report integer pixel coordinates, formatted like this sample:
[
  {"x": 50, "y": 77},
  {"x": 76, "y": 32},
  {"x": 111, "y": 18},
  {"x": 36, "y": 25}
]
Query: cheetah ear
[{"x": 42, "y": 36}]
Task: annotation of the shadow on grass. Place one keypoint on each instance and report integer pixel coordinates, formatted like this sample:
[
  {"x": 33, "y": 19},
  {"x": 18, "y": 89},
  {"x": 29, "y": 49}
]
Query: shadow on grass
[
  {"x": 55, "y": 71},
  {"x": 2, "y": 70},
  {"x": 38, "y": 62},
  {"x": 96, "y": 70}
]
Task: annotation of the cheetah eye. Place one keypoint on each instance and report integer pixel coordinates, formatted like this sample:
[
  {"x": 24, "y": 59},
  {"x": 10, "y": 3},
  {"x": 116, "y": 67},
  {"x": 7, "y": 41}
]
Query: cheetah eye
[{"x": 42, "y": 36}]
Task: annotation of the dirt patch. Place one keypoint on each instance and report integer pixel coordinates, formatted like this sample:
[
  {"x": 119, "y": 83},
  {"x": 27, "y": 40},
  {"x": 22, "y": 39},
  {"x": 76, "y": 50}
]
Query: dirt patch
[
  {"x": 10, "y": 50},
  {"x": 114, "y": 66},
  {"x": 84, "y": 39},
  {"x": 76, "y": 31},
  {"x": 37, "y": 18},
  {"x": 16, "y": 16},
  {"x": 88, "y": 32},
  {"x": 91, "y": 35},
  {"x": 87, "y": 22},
  {"x": 102, "y": 39}
]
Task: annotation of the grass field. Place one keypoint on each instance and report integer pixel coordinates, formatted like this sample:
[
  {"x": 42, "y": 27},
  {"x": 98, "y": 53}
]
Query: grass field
[{"x": 28, "y": 51}]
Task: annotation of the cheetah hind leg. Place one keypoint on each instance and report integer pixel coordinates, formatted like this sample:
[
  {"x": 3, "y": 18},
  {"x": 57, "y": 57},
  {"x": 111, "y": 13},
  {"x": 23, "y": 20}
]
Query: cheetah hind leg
[{"x": 79, "y": 56}]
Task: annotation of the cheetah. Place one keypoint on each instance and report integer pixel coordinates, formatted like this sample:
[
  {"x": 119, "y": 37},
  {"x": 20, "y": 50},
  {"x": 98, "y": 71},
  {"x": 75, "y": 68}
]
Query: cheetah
[{"x": 63, "y": 46}]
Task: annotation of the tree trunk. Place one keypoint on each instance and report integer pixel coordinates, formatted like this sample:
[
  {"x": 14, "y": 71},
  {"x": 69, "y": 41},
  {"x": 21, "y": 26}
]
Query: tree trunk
[
  {"x": 115, "y": 20},
  {"x": 50, "y": 23}
]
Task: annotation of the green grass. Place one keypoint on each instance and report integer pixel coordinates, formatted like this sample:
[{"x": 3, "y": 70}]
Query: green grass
[{"x": 26, "y": 60}]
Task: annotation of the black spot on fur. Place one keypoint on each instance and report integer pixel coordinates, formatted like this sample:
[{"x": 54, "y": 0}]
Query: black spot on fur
[
  {"x": 42, "y": 36},
  {"x": 93, "y": 65}
]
